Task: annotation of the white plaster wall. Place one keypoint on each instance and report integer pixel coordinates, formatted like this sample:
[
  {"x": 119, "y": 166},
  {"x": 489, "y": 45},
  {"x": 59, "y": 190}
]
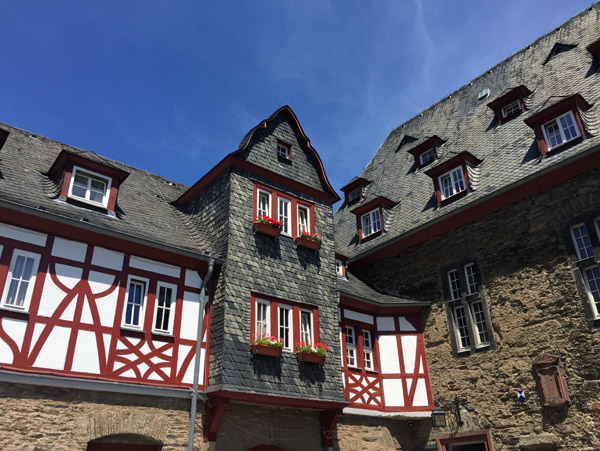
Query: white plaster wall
[
  {"x": 15, "y": 329},
  {"x": 357, "y": 316},
  {"x": 388, "y": 354},
  {"x": 19, "y": 234},
  {"x": 107, "y": 259},
  {"x": 420, "y": 398},
  {"x": 189, "y": 318},
  {"x": 73, "y": 250},
  {"x": 54, "y": 351},
  {"x": 192, "y": 279},
  {"x": 405, "y": 326},
  {"x": 85, "y": 358},
  {"x": 154, "y": 266},
  {"x": 385, "y": 323},
  {"x": 393, "y": 393}
]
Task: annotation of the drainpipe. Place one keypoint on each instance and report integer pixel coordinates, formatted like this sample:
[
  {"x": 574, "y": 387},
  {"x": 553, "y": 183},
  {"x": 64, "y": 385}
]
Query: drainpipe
[{"x": 198, "y": 354}]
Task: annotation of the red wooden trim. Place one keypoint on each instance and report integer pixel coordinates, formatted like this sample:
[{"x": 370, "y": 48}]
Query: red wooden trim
[
  {"x": 299, "y": 403},
  {"x": 358, "y": 182},
  {"x": 534, "y": 186},
  {"x": 214, "y": 413},
  {"x": 328, "y": 420},
  {"x": 465, "y": 437},
  {"x": 115, "y": 179},
  {"x": 51, "y": 227}
]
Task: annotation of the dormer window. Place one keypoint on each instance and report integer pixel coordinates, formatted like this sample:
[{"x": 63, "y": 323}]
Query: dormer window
[
  {"x": 283, "y": 150},
  {"x": 354, "y": 195},
  {"x": 427, "y": 157},
  {"x": 89, "y": 186},
  {"x": 354, "y": 190},
  {"x": 452, "y": 183},
  {"x": 425, "y": 152},
  {"x": 510, "y": 104},
  {"x": 369, "y": 217},
  {"x": 560, "y": 130},
  {"x": 371, "y": 222},
  {"x": 559, "y": 126}
]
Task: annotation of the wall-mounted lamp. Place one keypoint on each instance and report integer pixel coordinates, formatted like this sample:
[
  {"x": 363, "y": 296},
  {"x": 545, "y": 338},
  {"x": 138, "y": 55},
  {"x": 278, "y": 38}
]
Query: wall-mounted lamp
[{"x": 438, "y": 414}]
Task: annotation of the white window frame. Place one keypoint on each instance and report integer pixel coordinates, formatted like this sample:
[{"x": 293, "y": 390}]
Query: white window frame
[
  {"x": 590, "y": 293},
  {"x": 339, "y": 267},
  {"x": 285, "y": 220},
  {"x": 458, "y": 330},
  {"x": 369, "y": 221},
  {"x": 171, "y": 309},
  {"x": 257, "y": 329},
  {"x": 30, "y": 284},
  {"x": 563, "y": 138},
  {"x": 310, "y": 327},
  {"x": 456, "y": 177},
  {"x": 351, "y": 346},
  {"x": 423, "y": 161},
  {"x": 289, "y": 345},
  {"x": 146, "y": 282},
  {"x": 354, "y": 195},
  {"x": 307, "y": 209},
  {"x": 510, "y": 109},
  {"x": 368, "y": 350},
  {"x": 479, "y": 330},
  {"x": 283, "y": 150},
  {"x": 260, "y": 192},
  {"x": 471, "y": 278},
  {"x": 578, "y": 250},
  {"x": 453, "y": 285},
  {"x": 86, "y": 172}
]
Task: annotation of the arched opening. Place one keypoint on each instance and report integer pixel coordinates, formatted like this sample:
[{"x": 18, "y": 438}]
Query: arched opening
[
  {"x": 266, "y": 448},
  {"x": 124, "y": 442}
]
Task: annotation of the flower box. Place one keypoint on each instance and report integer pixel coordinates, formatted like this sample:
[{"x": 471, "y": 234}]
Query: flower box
[
  {"x": 271, "y": 351},
  {"x": 308, "y": 243},
  {"x": 267, "y": 229},
  {"x": 310, "y": 357}
]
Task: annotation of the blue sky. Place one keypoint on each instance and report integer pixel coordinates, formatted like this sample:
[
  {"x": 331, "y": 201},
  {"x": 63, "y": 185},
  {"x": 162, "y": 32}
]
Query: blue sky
[{"x": 173, "y": 86}]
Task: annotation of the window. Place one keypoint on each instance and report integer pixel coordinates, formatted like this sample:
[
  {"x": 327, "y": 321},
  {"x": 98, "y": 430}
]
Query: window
[
  {"x": 350, "y": 347},
  {"x": 354, "y": 195},
  {"x": 20, "y": 280},
  {"x": 511, "y": 109},
  {"x": 467, "y": 441},
  {"x": 134, "y": 308},
  {"x": 371, "y": 222},
  {"x": 306, "y": 335},
  {"x": 262, "y": 318},
  {"x": 165, "y": 305},
  {"x": 284, "y": 215},
  {"x": 581, "y": 239},
  {"x": 427, "y": 157},
  {"x": 560, "y": 130},
  {"x": 367, "y": 350},
  {"x": 339, "y": 268},
  {"x": 303, "y": 224},
  {"x": 452, "y": 183},
  {"x": 468, "y": 316},
  {"x": 592, "y": 281},
  {"x": 264, "y": 203},
  {"x": 283, "y": 150},
  {"x": 89, "y": 186},
  {"x": 285, "y": 326}
]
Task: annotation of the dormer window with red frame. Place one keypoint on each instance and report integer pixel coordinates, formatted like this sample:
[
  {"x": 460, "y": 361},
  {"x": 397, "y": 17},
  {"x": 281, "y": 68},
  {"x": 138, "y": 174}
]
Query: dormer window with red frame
[
  {"x": 88, "y": 183},
  {"x": 371, "y": 222},
  {"x": 340, "y": 266},
  {"x": 284, "y": 150},
  {"x": 450, "y": 178},
  {"x": 559, "y": 126},
  {"x": 354, "y": 190},
  {"x": 509, "y": 105},
  {"x": 369, "y": 217},
  {"x": 425, "y": 153}
]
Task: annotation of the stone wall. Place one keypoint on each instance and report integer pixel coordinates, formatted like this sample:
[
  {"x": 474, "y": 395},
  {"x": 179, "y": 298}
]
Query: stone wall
[
  {"x": 46, "y": 418},
  {"x": 534, "y": 306}
]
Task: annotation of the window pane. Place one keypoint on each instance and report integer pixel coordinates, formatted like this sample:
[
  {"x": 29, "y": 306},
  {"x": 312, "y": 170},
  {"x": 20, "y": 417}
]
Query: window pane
[
  {"x": 350, "y": 347},
  {"x": 459, "y": 181},
  {"x": 553, "y": 134},
  {"x": 376, "y": 219},
  {"x": 480, "y": 324},
  {"x": 21, "y": 275},
  {"x": 582, "y": 242},
  {"x": 284, "y": 327},
  {"x": 366, "y": 225},
  {"x": 568, "y": 127},
  {"x": 446, "y": 186},
  {"x": 263, "y": 204},
  {"x": 305, "y": 327},
  {"x": 471, "y": 280},
  {"x": 135, "y": 298},
  {"x": 284, "y": 215},
  {"x": 303, "y": 220},
  {"x": 454, "y": 284},
  {"x": 262, "y": 315},
  {"x": 592, "y": 278},
  {"x": 462, "y": 330}
]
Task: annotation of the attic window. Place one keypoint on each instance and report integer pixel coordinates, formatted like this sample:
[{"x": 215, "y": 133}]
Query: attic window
[
  {"x": 452, "y": 183},
  {"x": 511, "y": 109},
  {"x": 425, "y": 153},
  {"x": 354, "y": 195},
  {"x": 406, "y": 140},
  {"x": 89, "y": 186},
  {"x": 510, "y": 104},
  {"x": 450, "y": 179},
  {"x": 427, "y": 157},
  {"x": 283, "y": 150},
  {"x": 557, "y": 49}
]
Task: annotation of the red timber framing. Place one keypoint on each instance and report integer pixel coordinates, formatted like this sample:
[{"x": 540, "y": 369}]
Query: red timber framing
[
  {"x": 532, "y": 185},
  {"x": 364, "y": 388},
  {"x": 70, "y": 306},
  {"x": 516, "y": 94},
  {"x": 433, "y": 143},
  {"x": 219, "y": 401}
]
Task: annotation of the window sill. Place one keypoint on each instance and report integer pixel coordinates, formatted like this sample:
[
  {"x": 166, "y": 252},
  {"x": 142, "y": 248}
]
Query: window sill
[
  {"x": 454, "y": 197},
  {"x": 586, "y": 262},
  {"x": 7, "y": 312},
  {"x": 85, "y": 204},
  {"x": 483, "y": 348},
  {"x": 286, "y": 160},
  {"x": 163, "y": 336},
  {"x": 364, "y": 239},
  {"x": 130, "y": 332},
  {"x": 564, "y": 146}
]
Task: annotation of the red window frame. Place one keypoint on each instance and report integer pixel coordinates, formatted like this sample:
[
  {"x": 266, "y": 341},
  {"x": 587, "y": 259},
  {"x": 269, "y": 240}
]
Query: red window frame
[
  {"x": 360, "y": 211},
  {"x": 294, "y": 202},
  {"x": 359, "y": 346},
  {"x": 274, "y": 319},
  {"x": 343, "y": 260},
  {"x": 287, "y": 146},
  {"x": 357, "y": 183},
  {"x": 537, "y": 121},
  {"x": 431, "y": 143},
  {"x": 498, "y": 104},
  {"x": 459, "y": 161},
  {"x": 443, "y": 443}
]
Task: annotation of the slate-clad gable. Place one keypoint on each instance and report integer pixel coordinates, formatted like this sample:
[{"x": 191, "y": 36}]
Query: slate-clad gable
[{"x": 509, "y": 152}]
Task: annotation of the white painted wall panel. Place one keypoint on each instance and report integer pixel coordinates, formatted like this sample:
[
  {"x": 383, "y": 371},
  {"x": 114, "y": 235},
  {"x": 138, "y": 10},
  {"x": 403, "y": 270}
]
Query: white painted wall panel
[
  {"x": 107, "y": 259},
  {"x": 420, "y": 398},
  {"x": 15, "y": 329},
  {"x": 100, "y": 282},
  {"x": 86, "y": 313},
  {"x": 54, "y": 351},
  {"x": 385, "y": 323},
  {"x": 73, "y": 250},
  {"x": 85, "y": 358},
  {"x": 51, "y": 298},
  {"x": 409, "y": 350},
  {"x": 69, "y": 311},
  {"x": 192, "y": 279},
  {"x": 19, "y": 234},
  {"x": 357, "y": 316},
  {"x": 154, "y": 266},
  {"x": 106, "y": 338},
  {"x": 68, "y": 275},
  {"x": 189, "y": 321},
  {"x": 388, "y": 354},
  {"x": 392, "y": 391},
  {"x": 6, "y": 354},
  {"x": 405, "y": 326}
]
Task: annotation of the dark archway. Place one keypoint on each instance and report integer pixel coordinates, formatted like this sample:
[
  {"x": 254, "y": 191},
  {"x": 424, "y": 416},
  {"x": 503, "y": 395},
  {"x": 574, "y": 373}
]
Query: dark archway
[{"x": 124, "y": 442}]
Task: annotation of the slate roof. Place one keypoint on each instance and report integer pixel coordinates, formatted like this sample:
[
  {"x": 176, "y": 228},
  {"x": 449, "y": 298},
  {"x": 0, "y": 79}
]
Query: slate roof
[
  {"x": 143, "y": 209},
  {"x": 354, "y": 287},
  {"x": 509, "y": 152}
]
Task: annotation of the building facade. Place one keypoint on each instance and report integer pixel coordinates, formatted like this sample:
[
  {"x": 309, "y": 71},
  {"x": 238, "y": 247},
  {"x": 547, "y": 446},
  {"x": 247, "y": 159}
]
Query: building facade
[{"x": 457, "y": 280}]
